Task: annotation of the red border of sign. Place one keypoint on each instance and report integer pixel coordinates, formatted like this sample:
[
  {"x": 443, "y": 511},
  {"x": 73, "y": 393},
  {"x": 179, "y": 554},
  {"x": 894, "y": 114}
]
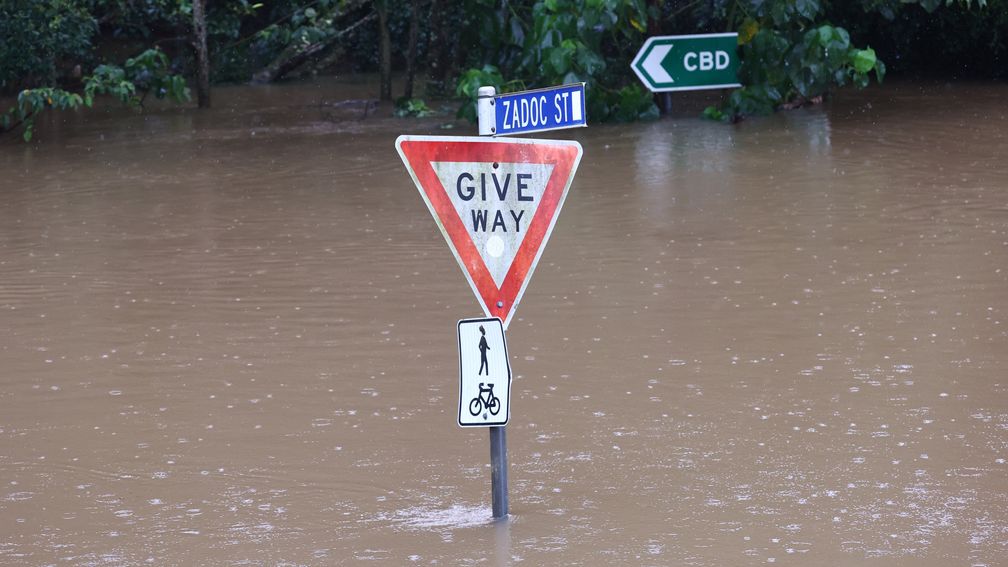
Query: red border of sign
[{"x": 417, "y": 153}]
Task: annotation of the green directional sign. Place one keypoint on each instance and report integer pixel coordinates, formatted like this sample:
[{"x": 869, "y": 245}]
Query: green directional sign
[{"x": 688, "y": 62}]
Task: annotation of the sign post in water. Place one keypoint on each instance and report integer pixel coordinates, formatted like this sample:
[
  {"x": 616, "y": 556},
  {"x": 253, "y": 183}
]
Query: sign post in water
[{"x": 496, "y": 202}]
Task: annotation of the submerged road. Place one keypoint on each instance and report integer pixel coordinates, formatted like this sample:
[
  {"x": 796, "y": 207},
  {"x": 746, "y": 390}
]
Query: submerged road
[{"x": 229, "y": 338}]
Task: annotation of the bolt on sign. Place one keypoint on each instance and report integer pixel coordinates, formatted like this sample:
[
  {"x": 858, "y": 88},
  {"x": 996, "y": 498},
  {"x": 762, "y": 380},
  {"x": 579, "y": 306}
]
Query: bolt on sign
[{"x": 496, "y": 201}]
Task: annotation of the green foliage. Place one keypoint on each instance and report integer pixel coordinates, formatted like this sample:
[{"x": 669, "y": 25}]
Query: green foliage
[
  {"x": 147, "y": 72},
  {"x": 565, "y": 40},
  {"x": 789, "y": 58},
  {"x": 890, "y": 8},
  {"x": 824, "y": 58},
  {"x": 37, "y": 37},
  {"x": 746, "y": 101},
  {"x": 31, "y": 102},
  {"x": 299, "y": 26},
  {"x": 552, "y": 42},
  {"x": 793, "y": 51},
  {"x": 632, "y": 102},
  {"x": 956, "y": 39},
  {"x": 150, "y": 72},
  {"x": 110, "y": 80},
  {"x": 791, "y": 54},
  {"x": 140, "y": 19},
  {"x": 470, "y": 82},
  {"x": 406, "y": 107}
]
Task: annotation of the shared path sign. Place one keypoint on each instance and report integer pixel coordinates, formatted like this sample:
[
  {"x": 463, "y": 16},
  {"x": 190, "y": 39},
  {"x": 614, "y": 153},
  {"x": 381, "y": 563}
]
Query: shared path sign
[
  {"x": 484, "y": 374},
  {"x": 496, "y": 201},
  {"x": 688, "y": 62},
  {"x": 540, "y": 110}
]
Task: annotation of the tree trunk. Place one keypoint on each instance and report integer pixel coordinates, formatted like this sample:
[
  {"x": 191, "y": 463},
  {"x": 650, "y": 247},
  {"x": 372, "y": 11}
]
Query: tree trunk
[
  {"x": 411, "y": 50},
  {"x": 385, "y": 51},
  {"x": 438, "y": 51},
  {"x": 296, "y": 55},
  {"x": 202, "y": 55}
]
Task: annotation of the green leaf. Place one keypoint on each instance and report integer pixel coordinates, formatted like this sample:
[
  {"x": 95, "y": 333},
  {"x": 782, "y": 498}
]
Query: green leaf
[
  {"x": 591, "y": 62},
  {"x": 825, "y": 34},
  {"x": 560, "y": 58},
  {"x": 807, "y": 9},
  {"x": 864, "y": 60},
  {"x": 712, "y": 113},
  {"x": 650, "y": 112},
  {"x": 572, "y": 77}
]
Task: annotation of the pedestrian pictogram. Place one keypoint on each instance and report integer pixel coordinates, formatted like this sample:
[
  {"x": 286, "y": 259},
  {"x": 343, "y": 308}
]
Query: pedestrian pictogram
[
  {"x": 496, "y": 202},
  {"x": 484, "y": 373},
  {"x": 484, "y": 347}
]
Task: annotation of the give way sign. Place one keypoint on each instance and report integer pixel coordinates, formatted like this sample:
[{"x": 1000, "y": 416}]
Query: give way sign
[{"x": 496, "y": 201}]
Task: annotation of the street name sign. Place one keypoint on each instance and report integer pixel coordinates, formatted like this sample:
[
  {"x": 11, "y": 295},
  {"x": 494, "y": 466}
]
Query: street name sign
[
  {"x": 540, "y": 110},
  {"x": 484, "y": 374},
  {"x": 688, "y": 62},
  {"x": 496, "y": 201}
]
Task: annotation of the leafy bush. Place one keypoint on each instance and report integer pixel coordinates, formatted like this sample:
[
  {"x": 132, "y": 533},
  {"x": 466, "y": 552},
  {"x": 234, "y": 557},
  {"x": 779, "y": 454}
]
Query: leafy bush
[
  {"x": 793, "y": 51},
  {"x": 552, "y": 42},
  {"x": 147, "y": 72},
  {"x": 790, "y": 58},
  {"x": 949, "y": 40},
  {"x": 38, "y": 36},
  {"x": 31, "y": 102},
  {"x": 791, "y": 55},
  {"x": 406, "y": 107}
]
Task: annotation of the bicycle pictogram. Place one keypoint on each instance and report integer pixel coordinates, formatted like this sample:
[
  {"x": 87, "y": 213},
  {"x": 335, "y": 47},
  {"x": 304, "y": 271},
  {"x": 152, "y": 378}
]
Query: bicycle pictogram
[{"x": 490, "y": 401}]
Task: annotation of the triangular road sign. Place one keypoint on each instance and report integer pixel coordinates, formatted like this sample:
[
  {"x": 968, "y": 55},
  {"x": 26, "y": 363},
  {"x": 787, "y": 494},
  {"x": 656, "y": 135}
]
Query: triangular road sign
[{"x": 496, "y": 201}]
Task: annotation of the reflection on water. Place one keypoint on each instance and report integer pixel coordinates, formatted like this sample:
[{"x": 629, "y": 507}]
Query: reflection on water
[{"x": 228, "y": 337}]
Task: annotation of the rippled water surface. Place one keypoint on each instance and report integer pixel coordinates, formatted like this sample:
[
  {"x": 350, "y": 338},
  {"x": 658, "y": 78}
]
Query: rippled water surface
[{"x": 228, "y": 337}]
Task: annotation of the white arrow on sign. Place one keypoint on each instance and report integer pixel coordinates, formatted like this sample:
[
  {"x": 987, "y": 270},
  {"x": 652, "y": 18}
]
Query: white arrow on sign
[{"x": 653, "y": 64}]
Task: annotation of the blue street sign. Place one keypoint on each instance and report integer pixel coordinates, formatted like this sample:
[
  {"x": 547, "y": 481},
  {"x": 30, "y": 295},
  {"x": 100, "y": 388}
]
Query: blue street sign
[{"x": 542, "y": 109}]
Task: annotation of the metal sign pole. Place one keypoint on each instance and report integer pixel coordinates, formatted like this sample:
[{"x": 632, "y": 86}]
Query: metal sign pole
[
  {"x": 498, "y": 436},
  {"x": 499, "y": 471}
]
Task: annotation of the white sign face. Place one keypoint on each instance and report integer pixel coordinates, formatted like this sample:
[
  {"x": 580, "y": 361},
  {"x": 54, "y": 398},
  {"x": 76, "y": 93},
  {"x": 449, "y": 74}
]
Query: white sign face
[
  {"x": 496, "y": 202},
  {"x": 484, "y": 373}
]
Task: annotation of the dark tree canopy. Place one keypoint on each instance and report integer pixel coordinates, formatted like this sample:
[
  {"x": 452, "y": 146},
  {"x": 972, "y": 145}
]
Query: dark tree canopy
[{"x": 793, "y": 51}]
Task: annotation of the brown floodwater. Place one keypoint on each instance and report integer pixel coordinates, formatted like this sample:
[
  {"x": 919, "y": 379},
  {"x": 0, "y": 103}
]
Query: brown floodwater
[{"x": 228, "y": 337}]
